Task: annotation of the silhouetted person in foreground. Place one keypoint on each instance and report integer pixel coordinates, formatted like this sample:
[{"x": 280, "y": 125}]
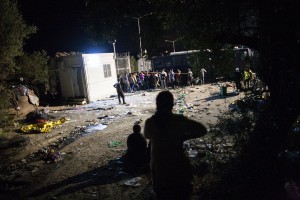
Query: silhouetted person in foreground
[
  {"x": 170, "y": 167},
  {"x": 136, "y": 156}
]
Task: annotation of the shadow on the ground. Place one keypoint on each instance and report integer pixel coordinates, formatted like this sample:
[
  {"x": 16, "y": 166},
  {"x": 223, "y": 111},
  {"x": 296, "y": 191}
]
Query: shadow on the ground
[
  {"x": 218, "y": 96},
  {"x": 110, "y": 173}
]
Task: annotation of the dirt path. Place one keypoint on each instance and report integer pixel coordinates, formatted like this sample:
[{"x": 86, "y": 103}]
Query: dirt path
[{"x": 89, "y": 168}]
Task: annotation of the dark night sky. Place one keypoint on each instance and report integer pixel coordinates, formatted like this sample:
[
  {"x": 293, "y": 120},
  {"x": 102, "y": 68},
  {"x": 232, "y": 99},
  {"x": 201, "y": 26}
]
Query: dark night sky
[{"x": 60, "y": 28}]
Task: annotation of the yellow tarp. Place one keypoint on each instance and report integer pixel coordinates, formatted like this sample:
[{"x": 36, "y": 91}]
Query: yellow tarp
[{"x": 42, "y": 127}]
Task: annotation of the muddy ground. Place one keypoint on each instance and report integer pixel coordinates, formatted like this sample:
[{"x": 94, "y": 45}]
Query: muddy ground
[{"x": 90, "y": 143}]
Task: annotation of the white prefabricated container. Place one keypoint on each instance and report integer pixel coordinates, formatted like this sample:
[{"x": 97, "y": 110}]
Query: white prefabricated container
[{"x": 89, "y": 76}]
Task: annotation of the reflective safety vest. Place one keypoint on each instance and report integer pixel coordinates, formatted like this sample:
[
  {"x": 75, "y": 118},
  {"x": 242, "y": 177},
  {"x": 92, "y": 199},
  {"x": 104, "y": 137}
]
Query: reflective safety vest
[{"x": 247, "y": 75}]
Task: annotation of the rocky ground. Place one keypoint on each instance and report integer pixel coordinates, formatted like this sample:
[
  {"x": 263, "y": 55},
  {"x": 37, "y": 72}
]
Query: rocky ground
[{"x": 90, "y": 142}]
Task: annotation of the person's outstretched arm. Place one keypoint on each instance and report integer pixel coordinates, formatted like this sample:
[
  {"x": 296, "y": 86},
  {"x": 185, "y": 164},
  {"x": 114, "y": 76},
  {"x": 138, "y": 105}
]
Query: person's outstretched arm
[{"x": 193, "y": 129}]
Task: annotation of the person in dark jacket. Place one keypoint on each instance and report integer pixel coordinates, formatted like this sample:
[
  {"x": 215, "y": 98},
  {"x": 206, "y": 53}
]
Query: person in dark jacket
[
  {"x": 120, "y": 92},
  {"x": 137, "y": 150},
  {"x": 237, "y": 79},
  {"x": 170, "y": 167}
]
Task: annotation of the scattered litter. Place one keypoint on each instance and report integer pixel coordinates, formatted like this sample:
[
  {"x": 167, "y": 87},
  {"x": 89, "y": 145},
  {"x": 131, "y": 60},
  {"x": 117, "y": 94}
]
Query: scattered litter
[
  {"x": 138, "y": 121},
  {"x": 133, "y": 106},
  {"x": 39, "y": 116},
  {"x": 208, "y": 112},
  {"x": 34, "y": 170},
  {"x": 133, "y": 182},
  {"x": 93, "y": 128},
  {"x": 45, "y": 127},
  {"x": 192, "y": 153},
  {"x": 104, "y": 108},
  {"x": 114, "y": 143},
  {"x": 92, "y": 121},
  {"x": 102, "y": 117},
  {"x": 53, "y": 156}
]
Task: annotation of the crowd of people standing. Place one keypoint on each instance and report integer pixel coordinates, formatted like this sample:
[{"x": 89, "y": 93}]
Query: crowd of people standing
[
  {"x": 245, "y": 80},
  {"x": 144, "y": 80}
]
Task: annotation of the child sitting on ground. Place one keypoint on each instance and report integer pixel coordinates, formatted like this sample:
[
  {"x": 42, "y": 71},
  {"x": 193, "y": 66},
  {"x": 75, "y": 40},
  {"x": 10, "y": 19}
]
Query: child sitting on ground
[{"x": 136, "y": 156}]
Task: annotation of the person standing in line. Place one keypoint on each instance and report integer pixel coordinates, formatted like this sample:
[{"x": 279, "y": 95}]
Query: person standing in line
[
  {"x": 203, "y": 72},
  {"x": 178, "y": 78},
  {"x": 152, "y": 80},
  {"x": 172, "y": 78},
  {"x": 190, "y": 77},
  {"x": 120, "y": 91},
  {"x": 147, "y": 81},
  {"x": 126, "y": 80},
  {"x": 163, "y": 77},
  {"x": 141, "y": 80},
  {"x": 156, "y": 80},
  {"x": 132, "y": 82},
  {"x": 237, "y": 79},
  {"x": 135, "y": 86},
  {"x": 170, "y": 167}
]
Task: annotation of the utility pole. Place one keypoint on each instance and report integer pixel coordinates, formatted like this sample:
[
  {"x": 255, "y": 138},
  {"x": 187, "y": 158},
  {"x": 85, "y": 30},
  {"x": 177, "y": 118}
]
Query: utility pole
[
  {"x": 115, "y": 56},
  {"x": 114, "y": 46},
  {"x": 173, "y": 41},
  {"x": 139, "y": 28}
]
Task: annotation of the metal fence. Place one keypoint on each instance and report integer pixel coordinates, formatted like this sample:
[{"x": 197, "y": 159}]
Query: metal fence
[{"x": 123, "y": 63}]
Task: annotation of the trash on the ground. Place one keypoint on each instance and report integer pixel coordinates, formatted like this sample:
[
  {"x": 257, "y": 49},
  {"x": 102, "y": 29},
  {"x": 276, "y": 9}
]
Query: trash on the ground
[
  {"x": 192, "y": 153},
  {"x": 138, "y": 121},
  {"x": 97, "y": 127},
  {"x": 53, "y": 156},
  {"x": 181, "y": 111},
  {"x": 208, "y": 112},
  {"x": 38, "y": 116},
  {"x": 45, "y": 127},
  {"x": 93, "y": 121},
  {"x": 106, "y": 117},
  {"x": 114, "y": 143},
  {"x": 186, "y": 145},
  {"x": 133, "y": 106},
  {"x": 133, "y": 182},
  {"x": 228, "y": 145},
  {"x": 104, "y": 108},
  {"x": 35, "y": 170}
]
